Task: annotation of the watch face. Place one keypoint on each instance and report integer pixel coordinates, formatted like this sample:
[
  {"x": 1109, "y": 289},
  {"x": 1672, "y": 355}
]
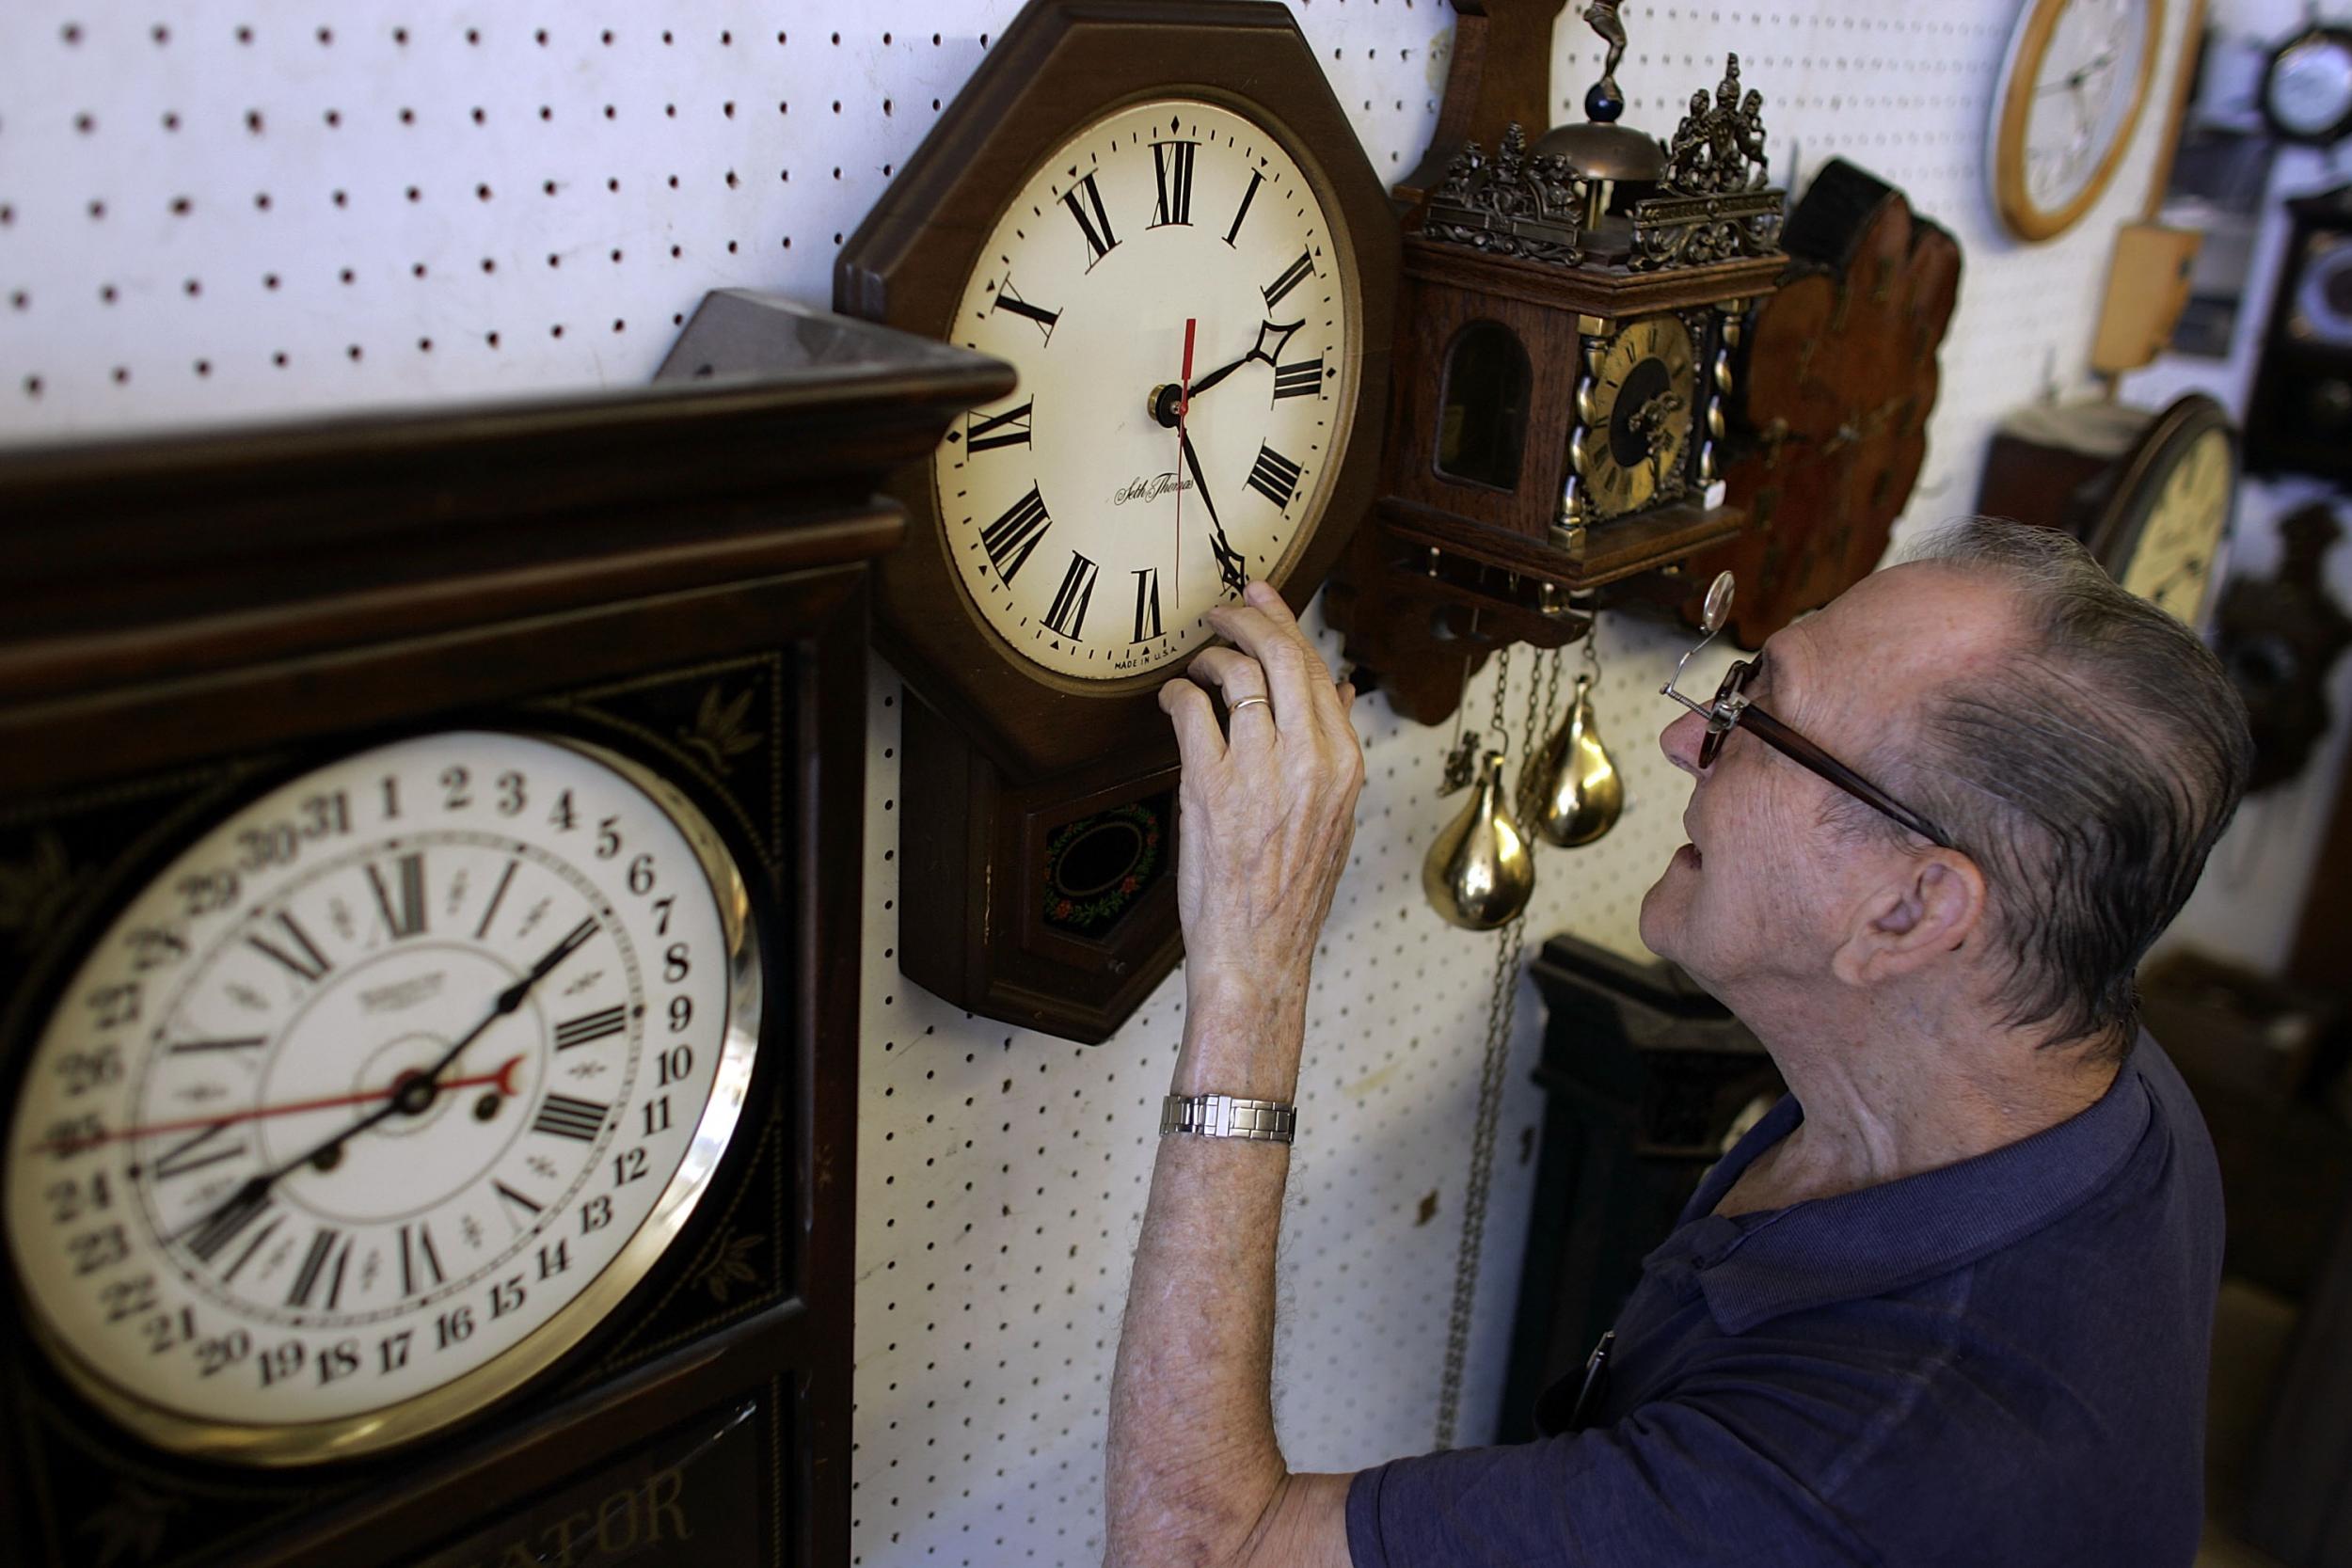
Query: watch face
[
  {"x": 381, "y": 1095},
  {"x": 2308, "y": 93},
  {"x": 1094, "y": 516},
  {"x": 2175, "y": 562},
  {"x": 1637, "y": 404}
]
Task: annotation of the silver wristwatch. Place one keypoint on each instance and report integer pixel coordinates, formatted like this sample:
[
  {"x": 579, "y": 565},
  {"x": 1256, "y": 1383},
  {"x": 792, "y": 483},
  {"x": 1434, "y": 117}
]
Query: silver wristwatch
[{"x": 1223, "y": 1115}]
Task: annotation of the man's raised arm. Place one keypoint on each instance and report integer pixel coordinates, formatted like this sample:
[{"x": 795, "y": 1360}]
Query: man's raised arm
[{"x": 1192, "y": 1474}]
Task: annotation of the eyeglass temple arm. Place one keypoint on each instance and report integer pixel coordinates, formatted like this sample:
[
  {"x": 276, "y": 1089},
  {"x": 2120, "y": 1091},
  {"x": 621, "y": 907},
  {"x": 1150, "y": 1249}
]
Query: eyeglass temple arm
[{"x": 1675, "y": 679}]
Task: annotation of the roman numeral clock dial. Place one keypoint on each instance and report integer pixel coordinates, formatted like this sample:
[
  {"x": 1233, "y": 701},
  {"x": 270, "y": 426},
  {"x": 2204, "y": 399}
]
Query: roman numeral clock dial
[
  {"x": 381, "y": 1094},
  {"x": 1092, "y": 521}
]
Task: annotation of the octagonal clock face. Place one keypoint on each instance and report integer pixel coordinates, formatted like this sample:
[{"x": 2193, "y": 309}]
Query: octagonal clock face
[
  {"x": 1097, "y": 514},
  {"x": 381, "y": 1095}
]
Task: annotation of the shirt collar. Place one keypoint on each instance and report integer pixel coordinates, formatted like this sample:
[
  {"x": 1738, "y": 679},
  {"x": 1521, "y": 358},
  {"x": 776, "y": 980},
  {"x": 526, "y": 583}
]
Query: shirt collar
[{"x": 1894, "y": 1235}]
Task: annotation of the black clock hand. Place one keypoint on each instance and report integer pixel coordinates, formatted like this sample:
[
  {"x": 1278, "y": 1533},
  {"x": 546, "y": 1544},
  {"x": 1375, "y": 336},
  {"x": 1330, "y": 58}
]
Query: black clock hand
[
  {"x": 1231, "y": 568},
  {"x": 409, "y": 1096},
  {"x": 1258, "y": 352}
]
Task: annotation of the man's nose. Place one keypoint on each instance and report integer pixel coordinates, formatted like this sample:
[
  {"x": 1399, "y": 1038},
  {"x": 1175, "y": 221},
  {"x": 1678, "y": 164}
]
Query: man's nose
[{"x": 1680, "y": 741}]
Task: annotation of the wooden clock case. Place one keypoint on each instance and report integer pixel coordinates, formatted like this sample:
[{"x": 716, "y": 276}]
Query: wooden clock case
[
  {"x": 2299, "y": 415},
  {"x": 678, "y": 574},
  {"x": 1000, "y": 753},
  {"x": 1837, "y": 381}
]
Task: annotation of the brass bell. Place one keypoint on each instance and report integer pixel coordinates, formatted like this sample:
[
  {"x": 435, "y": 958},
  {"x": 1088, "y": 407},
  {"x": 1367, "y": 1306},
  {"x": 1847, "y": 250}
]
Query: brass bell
[
  {"x": 1571, "y": 792},
  {"x": 1481, "y": 872}
]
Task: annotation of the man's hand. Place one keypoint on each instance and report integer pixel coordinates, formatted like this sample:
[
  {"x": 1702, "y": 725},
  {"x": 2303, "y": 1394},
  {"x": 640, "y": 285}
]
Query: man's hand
[{"x": 1268, "y": 813}]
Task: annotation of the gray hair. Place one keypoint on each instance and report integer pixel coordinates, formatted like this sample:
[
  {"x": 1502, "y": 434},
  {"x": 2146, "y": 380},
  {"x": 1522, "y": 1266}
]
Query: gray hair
[{"x": 2089, "y": 776}]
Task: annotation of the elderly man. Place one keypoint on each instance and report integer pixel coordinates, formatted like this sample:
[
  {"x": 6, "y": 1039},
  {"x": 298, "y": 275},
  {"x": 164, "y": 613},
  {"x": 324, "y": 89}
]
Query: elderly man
[{"x": 1949, "y": 1302}]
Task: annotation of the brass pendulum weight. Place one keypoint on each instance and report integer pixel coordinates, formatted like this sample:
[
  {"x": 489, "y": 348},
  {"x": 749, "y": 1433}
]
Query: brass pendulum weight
[
  {"x": 1480, "y": 871},
  {"x": 1570, "y": 791}
]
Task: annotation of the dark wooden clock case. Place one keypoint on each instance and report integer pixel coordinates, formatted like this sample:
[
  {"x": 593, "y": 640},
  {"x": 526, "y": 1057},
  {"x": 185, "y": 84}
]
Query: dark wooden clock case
[
  {"x": 679, "y": 574},
  {"x": 1837, "y": 381},
  {"x": 2298, "y": 415},
  {"x": 997, "y": 756}
]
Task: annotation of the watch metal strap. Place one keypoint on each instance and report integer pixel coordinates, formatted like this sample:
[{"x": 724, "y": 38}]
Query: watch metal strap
[{"x": 1224, "y": 1115}]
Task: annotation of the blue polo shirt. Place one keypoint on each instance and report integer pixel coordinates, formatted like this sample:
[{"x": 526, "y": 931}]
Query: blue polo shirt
[{"x": 1999, "y": 1363}]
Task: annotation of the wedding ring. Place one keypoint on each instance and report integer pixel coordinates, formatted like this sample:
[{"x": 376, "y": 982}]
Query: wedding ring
[{"x": 1245, "y": 701}]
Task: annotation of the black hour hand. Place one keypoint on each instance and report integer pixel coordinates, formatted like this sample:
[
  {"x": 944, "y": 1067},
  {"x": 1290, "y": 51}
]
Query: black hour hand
[{"x": 1260, "y": 350}]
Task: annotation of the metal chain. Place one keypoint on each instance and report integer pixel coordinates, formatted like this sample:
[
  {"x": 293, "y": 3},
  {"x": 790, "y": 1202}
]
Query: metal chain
[
  {"x": 1551, "y": 691},
  {"x": 1502, "y": 686},
  {"x": 1502, "y": 1004}
]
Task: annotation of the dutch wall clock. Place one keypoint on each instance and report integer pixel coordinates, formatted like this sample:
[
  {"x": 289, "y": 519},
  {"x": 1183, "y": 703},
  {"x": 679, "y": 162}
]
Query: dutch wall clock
[
  {"x": 1161, "y": 217},
  {"x": 2073, "y": 84}
]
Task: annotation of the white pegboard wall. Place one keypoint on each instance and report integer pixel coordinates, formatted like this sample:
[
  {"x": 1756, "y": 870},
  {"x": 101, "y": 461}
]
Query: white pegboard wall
[{"x": 279, "y": 207}]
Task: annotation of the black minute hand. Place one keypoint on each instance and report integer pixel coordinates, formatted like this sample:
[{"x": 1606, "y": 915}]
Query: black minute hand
[
  {"x": 410, "y": 1097},
  {"x": 1231, "y": 568}
]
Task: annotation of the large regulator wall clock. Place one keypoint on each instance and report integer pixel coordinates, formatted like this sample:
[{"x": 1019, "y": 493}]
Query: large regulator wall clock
[
  {"x": 424, "y": 1038},
  {"x": 2071, "y": 88},
  {"x": 1159, "y": 215}
]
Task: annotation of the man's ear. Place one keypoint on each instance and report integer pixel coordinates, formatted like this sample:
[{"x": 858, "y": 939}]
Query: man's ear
[{"x": 1930, "y": 908}]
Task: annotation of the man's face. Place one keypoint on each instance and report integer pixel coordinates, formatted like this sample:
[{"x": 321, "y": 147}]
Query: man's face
[{"x": 1768, "y": 885}]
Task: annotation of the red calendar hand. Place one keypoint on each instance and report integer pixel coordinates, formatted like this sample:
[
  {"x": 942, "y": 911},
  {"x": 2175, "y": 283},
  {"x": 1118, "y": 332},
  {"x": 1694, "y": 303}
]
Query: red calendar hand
[{"x": 503, "y": 1078}]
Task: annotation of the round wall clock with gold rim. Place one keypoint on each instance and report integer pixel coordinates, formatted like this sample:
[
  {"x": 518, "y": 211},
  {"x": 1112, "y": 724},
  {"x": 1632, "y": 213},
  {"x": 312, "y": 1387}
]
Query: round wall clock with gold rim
[
  {"x": 2073, "y": 84},
  {"x": 1116, "y": 179},
  {"x": 2162, "y": 531},
  {"x": 380, "y": 1096}
]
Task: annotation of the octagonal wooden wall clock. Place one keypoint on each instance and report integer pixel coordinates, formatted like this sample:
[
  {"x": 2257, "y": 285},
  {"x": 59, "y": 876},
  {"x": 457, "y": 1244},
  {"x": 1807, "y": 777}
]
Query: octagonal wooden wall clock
[{"x": 1160, "y": 216}]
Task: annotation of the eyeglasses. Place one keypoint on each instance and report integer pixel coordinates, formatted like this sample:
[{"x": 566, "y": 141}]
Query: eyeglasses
[{"x": 1732, "y": 709}]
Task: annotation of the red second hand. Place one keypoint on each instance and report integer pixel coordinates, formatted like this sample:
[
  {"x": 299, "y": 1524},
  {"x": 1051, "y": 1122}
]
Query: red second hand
[
  {"x": 1184, "y": 405},
  {"x": 503, "y": 1078}
]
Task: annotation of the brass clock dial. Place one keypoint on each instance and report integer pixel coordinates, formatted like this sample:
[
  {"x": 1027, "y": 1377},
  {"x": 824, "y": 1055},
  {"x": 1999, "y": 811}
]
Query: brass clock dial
[
  {"x": 381, "y": 1095},
  {"x": 1092, "y": 532},
  {"x": 1635, "y": 412}
]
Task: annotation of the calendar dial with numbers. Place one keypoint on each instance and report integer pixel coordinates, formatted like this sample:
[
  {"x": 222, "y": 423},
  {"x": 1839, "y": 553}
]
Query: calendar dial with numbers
[
  {"x": 1093, "y": 528},
  {"x": 381, "y": 1095}
]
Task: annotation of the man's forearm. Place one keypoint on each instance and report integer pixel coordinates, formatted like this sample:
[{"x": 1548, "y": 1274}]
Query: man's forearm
[{"x": 1192, "y": 1469}]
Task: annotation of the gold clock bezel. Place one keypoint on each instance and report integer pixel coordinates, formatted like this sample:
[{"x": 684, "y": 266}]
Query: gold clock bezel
[
  {"x": 2012, "y": 197},
  {"x": 292, "y": 1444}
]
